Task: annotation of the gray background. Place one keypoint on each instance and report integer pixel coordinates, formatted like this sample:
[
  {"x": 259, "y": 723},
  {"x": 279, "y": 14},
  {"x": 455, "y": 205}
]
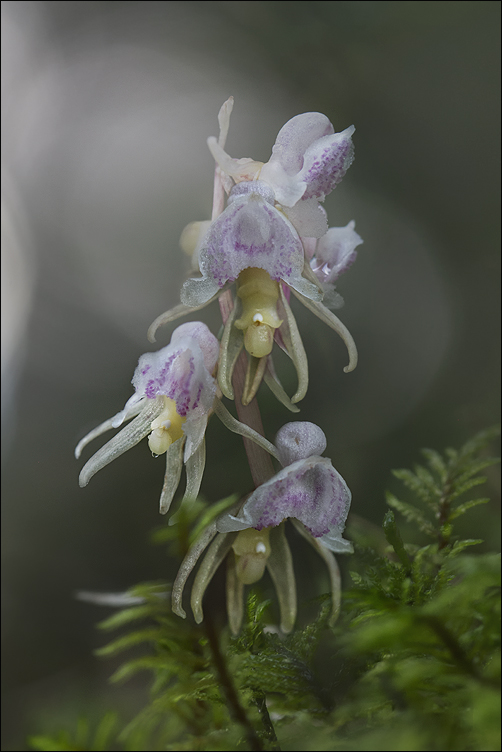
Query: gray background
[{"x": 107, "y": 107}]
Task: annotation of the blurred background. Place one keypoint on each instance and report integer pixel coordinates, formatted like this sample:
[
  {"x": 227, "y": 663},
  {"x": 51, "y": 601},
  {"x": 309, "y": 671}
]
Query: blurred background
[{"x": 106, "y": 111}]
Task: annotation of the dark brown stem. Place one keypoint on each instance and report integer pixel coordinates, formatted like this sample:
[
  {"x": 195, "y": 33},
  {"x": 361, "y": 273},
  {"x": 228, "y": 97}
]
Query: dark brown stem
[
  {"x": 260, "y": 701},
  {"x": 235, "y": 708},
  {"x": 444, "y": 513}
]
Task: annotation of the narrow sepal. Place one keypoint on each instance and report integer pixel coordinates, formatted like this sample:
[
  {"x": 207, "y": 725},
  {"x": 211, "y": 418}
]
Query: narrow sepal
[
  {"x": 232, "y": 342},
  {"x": 128, "y": 437},
  {"x": 235, "y": 596},
  {"x": 210, "y": 563},
  {"x": 187, "y": 565},
  {"x": 272, "y": 381},
  {"x": 334, "y": 322},
  {"x": 174, "y": 465},
  {"x": 280, "y": 567},
  {"x": 294, "y": 348},
  {"x": 107, "y": 425},
  {"x": 236, "y": 426},
  {"x": 254, "y": 375},
  {"x": 333, "y": 570},
  {"x": 171, "y": 315},
  {"x": 195, "y": 470}
]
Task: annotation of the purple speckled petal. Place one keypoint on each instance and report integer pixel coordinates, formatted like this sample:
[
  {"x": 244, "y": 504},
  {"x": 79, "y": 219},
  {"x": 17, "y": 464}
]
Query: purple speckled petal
[
  {"x": 309, "y": 490},
  {"x": 178, "y": 372},
  {"x": 298, "y": 440},
  {"x": 335, "y": 253},
  {"x": 326, "y": 162},
  {"x": 205, "y": 339},
  {"x": 296, "y": 136},
  {"x": 250, "y": 233}
]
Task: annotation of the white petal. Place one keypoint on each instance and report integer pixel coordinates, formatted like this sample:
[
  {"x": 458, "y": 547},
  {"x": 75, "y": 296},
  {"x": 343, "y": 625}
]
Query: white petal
[
  {"x": 296, "y": 136},
  {"x": 308, "y": 218}
]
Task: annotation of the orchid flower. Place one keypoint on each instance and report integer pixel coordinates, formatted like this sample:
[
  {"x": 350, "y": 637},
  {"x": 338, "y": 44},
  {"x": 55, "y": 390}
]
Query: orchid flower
[
  {"x": 175, "y": 393},
  {"x": 262, "y": 241},
  {"x": 334, "y": 253},
  {"x": 310, "y": 492}
]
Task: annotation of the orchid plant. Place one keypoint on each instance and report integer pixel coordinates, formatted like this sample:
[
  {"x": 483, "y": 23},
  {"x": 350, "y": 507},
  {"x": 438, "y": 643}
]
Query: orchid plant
[
  {"x": 415, "y": 645},
  {"x": 271, "y": 238}
]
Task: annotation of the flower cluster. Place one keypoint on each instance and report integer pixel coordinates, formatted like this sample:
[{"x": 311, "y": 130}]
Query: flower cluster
[{"x": 272, "y": 240}]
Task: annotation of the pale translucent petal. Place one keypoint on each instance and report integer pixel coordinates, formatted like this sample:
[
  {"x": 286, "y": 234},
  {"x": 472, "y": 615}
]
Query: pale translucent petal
[
  {"x": 106, "y": 426},
  {"x": 310, "y": 490},
  {"x": 325, "y": 163},
  {"x": 237, "y": 169},
  {"x": 333, "y": 570},
  {"x": 333, "y": 300},
  {"x": 309, "y": 245},
  {"x": 113, "y": 600},
  {"x": 296, "y": 136},
  {"x": 294, "y": 347},
  {"x": 236, "y": 426},
  {"x": 171, "y": 315},
  {"x": 335, "y": 253},
  {"x": 288, "y": 189},
  {"x": 178, "y": 372},
  {"x": 308, "y": 218},
  {"x": 251, "y": 232},
  {"x": 235, "y": 596},
  {"x": 334, "y": 322},
  {"x": 174, "y": 465},
  {"x": 217, "y": 551},
  {"x": 232, "y": 342},
  {"x": 187, "y": 566},
  {"x": 224, "y": 120},
  {"x": 336, "y": 543},
  {"x": 205, "y": 339},
  {"x": 132, "y": 407},
  {"x": 128, "y": 437},
  {"x": 195, "y": 470},
  {"x": 199, "y": 291},
  {"x": 195, "y": 429},
  {"x": 298, "y": 440},
  {"x": 272, "y": 381},
  {"x": 254, "y": 376},
  {"x": 280, "y": 567}
]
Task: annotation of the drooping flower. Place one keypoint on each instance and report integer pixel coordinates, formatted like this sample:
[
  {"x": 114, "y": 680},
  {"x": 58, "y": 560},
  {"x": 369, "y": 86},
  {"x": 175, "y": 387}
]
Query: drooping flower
[
  {"x": 175, "y": 393},
  {"x": 260, "y": 240},
  {"x": 309, "y": 492}
]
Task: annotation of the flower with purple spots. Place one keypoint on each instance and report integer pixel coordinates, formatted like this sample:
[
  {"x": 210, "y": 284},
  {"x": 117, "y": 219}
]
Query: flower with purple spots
[
  {"x": 175, "y": 393},
  {"x": 308, "y": 489},
  {"x": 263, "y": 240},
  {"x": 310, "y": 492}
]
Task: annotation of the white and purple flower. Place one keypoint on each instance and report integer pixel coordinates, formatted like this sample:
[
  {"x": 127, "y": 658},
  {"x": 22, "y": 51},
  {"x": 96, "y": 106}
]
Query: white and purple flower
[
  {"x": 175, "y": 393},
  {"x": 263, "y": 241},
  {"x": 307, "y": 489},
  {"x": 309, "y": 492}
]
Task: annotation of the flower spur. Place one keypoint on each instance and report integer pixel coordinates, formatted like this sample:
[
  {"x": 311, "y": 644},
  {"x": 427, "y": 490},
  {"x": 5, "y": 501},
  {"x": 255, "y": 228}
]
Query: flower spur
[
  {"x": 259, "y": 240},
  {"x": 175, "y": 394},
  {"x": 310, "y": 492}
]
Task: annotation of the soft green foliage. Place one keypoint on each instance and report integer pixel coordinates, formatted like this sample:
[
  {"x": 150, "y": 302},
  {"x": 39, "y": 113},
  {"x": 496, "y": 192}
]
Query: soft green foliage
[{"x": 412, "y": 664}]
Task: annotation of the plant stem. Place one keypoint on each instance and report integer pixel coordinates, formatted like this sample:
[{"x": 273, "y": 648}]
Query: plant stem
[
  {"x": 235, "y": 708},
  {"x": 260, "y": 701}
]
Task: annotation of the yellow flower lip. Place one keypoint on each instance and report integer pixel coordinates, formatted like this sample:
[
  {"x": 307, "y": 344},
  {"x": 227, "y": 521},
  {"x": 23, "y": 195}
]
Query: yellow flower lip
[
  {"x": 166, "y": 428},
  {"x": 259, "y": 294},
  {"x": 251, "y": 549}
]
